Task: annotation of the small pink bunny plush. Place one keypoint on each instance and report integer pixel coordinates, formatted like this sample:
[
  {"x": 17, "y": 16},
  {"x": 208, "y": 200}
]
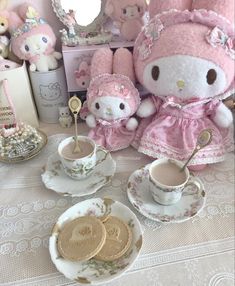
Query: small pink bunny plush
[
  {"x": 82, "y": 75},
  {"x": 112, "y": 99},
  {"x": 128, "y": 16},
  {"x": 33, "y": 39},
  {"x": 185, "y": 58}
]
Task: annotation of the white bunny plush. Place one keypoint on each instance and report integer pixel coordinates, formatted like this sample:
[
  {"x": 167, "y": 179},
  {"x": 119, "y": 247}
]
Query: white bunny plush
[
  {"x": 112, "y": 99},
  {"x": 185, "y": 58},
  {"x": 33, "y": 39}
]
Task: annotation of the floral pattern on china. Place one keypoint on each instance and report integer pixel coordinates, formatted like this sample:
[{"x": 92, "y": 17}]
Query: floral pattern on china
[
  {"x": 139, "y": 195},
  {"x": 93, "y": 271},
  {"x": 55, "y": 178}
]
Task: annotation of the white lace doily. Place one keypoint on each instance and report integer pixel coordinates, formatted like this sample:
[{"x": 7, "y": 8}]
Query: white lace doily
[{"x": 198, "y": 252}]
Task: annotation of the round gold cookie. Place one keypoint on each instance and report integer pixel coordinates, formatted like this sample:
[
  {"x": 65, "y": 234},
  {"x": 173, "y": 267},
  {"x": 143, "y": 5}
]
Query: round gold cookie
[
  {"x": 118, "y": 240},
  {"x": 81, "y": 239}
]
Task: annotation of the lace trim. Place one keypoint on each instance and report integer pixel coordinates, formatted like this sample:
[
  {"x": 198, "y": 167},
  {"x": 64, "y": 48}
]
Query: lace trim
[{"x": 157, "y": 151}]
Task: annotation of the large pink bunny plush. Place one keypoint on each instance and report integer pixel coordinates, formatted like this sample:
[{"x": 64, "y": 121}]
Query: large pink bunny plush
[
  {"x": 33, "y": 39},
  {"x": 185, "y": 58},
  {"x": 127, "y": 15},
  {"x": 112, "y": 99}
]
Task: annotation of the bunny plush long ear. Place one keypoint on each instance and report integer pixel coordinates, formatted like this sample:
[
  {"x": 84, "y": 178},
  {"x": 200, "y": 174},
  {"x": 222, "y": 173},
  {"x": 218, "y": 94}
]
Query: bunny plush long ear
[
  {"x": 123, "y": 63},
  {"x": 158, "y": 6},
  {"x": 102, "y": 62}
]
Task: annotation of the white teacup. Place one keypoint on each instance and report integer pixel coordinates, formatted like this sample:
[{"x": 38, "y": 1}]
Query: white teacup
[
  {"x": 75, "y": 166},
  {"x": 167, "y": 183}
]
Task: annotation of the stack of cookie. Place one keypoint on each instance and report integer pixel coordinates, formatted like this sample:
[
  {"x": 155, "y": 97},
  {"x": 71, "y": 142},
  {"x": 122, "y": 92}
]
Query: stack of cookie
[{"x": 106, "y": 239}]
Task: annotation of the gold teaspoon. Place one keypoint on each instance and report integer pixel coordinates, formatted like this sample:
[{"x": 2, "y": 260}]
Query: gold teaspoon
[
  {"x": 75, "y": 106},
  {"x": 203, "y": 140}
]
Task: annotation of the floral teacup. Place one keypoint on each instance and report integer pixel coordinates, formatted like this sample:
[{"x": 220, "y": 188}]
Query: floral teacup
[
  {"x": 169, "y": 194},
  {"x": 81, "y": 167}
]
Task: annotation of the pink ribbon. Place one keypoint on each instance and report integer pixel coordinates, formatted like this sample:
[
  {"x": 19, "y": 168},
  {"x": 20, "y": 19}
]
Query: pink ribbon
[
  {"x": 217, "y": 37},
  {"x": 112, "y": 123}
]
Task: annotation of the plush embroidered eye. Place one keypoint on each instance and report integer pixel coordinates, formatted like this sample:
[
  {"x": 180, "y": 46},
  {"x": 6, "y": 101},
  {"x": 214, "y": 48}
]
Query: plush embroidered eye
[
  {"x": 7, "y": 66},
  {"x": 44, "y": 39},
  {"x": 139, "y": 9},
  {"x": 2, "y": 24},
  {"x": 211, "y": 76},
  {"x": 97, "y": 106},
  {"x": 122, "y": 106},
  {"x": 26, "y": 48},
  {"x": 155, "y": 73},
  {"x": 124, "y": 11}
]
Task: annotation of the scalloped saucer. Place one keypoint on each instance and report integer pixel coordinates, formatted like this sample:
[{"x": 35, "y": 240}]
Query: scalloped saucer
[
  {"x": 139, "y": 195},
  {"x": 55, "y": 179},
  {"x": 95, "y": 272}
]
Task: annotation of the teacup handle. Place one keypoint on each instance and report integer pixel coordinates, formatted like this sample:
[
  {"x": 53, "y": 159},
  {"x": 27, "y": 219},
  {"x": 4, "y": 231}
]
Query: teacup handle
[
  {"x": 194, "y": 182},
  {"x": 103, "y": 150}
]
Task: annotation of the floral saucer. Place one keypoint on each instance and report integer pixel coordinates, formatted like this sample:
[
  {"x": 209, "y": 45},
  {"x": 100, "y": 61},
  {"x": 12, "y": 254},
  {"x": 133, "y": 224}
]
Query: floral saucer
[
  {"x": 55, "y": 178},
  {"x": 191, "y": 203},
  {"x": 96, "y": 272}
]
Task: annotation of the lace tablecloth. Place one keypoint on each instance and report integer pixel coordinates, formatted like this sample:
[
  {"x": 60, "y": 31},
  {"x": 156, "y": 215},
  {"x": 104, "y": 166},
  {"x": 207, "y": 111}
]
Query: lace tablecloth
[{"x": 195, "y": 253}]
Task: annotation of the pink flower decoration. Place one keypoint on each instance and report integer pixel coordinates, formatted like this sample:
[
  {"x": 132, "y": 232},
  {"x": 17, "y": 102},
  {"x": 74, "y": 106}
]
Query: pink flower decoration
[
  {"x": 152, "y": 33},
  {"x": 217, "y": 37}
]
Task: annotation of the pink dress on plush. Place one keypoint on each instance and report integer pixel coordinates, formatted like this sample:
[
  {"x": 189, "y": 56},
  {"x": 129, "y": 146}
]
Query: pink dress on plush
[
  {"x": 112, "y": 135},
  {"x": 173, "y": 131}
]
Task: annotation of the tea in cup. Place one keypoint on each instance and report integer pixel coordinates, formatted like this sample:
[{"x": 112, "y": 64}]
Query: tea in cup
[
  {"x": 168, "y": 182},
  {"x": 78, "y": 165}
]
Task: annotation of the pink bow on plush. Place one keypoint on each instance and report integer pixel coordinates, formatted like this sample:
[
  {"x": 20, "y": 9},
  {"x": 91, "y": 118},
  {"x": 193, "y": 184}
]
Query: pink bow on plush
[
  {"x": 81, "y": 73},
  {"x": 217, "y": 37}
]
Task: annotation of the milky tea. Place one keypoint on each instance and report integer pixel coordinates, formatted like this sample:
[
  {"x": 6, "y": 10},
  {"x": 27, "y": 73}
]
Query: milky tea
[
  {"x": 168, "y": 174},
  {"x": 86, "y": 149}
]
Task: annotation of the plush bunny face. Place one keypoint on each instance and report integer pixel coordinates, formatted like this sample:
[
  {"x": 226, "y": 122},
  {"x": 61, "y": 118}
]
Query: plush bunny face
[
  {"x": 110, "y": 108},
  {"x": 35, "y": 45},
  {"x": 184, "y": 76},
  {"x": 184, "y": 62},
  {"x": 132, "y": 12},
  {"x": 125, "y": 9}
]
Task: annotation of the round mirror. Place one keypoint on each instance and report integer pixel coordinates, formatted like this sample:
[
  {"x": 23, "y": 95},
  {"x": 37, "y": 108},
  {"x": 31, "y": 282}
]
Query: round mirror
[
  {"x": 85, "y": 12},
  {"x": 87, "y": 16}
]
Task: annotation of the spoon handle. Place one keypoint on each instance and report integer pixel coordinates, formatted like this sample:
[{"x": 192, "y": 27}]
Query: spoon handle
[
  {"x": 77, "y": 148},
  {"x": 189, "y": 159}
]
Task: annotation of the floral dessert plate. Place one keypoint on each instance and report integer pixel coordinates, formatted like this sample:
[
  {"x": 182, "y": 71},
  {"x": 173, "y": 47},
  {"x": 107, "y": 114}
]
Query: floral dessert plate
[
  {"x": 95, "y": 272},
  {"x": 55, "y": 178},
  {"x": 191, "y": 203}
]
